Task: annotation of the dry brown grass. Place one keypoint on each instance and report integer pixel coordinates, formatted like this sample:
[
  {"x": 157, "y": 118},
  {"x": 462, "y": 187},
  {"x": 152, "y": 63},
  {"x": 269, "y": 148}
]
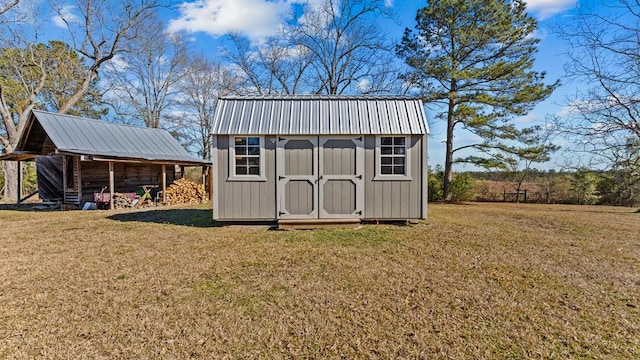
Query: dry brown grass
[{"x": 476, "y": 281}]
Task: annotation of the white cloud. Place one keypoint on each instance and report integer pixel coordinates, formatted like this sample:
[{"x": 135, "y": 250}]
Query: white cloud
[
  {"x": 116, "y": 64},
  {"x": 65, "y": 13},
  {"x": 255, "y": 19},
  {"x": 544, "y": 9},
  {"x": 388, "y": 3},
  {"x": 363, "y": 85},
  {"x": 527, "y": 119}
]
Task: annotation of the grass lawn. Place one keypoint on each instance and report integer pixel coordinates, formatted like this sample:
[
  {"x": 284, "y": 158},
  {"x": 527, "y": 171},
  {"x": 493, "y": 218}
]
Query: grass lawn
[{"x": 475, "y": 281}]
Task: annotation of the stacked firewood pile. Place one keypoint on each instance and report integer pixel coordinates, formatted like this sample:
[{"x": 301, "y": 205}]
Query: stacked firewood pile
[
  {"x": 183, "y": 191},
  {"x": 121, "y": 201}
]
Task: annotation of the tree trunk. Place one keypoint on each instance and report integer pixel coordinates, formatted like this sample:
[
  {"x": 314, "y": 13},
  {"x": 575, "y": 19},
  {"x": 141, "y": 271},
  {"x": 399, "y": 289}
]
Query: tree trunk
[
  {"x": 10, "y": 181},
  {"x": 448, "y": 167},
  {"x": 448, "y": 164}
]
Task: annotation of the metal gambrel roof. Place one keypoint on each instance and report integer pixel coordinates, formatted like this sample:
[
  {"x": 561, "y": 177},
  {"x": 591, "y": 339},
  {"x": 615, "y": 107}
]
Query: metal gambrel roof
[
  {"x": 76, "y": 135},
  {"x": 319, "y": 115}
]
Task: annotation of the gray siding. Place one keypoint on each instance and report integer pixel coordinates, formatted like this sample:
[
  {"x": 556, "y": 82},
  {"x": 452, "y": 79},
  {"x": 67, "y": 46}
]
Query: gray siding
[
  {"x": 339, "y": 158},
  {"x": 339, "y": 197},
  {"x": 394, "y": 199},
  {"x": 244, "y": 200},
  {"x": 299, "y": 160},
  {"x": 299, "y": 197},
  {"x": 383, "y": 199}
]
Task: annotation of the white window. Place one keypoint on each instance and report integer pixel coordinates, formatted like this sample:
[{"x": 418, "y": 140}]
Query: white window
[
  {"x": 246, "y": 158},
  {"x": 392, "y": 158}
]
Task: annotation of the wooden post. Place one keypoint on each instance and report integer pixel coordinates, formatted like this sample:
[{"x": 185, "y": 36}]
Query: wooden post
[
  {"x": 112, "y": 181},
  {"x": 19, "y": 182},
  {"x": 210, "y": 183},
  {"x": 164, "y": 183}
]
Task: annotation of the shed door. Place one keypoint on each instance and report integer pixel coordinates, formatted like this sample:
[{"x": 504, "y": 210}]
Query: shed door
[
  {"x": 340, "y": 182},
  {"x": 297, "y": 171},
  {"x": 320, "y": 177}
]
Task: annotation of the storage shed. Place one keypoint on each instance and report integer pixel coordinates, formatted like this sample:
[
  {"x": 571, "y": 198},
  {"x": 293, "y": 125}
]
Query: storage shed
[
  {"x": 319, "y": 157},
  {"x": 78, "y": 157}
]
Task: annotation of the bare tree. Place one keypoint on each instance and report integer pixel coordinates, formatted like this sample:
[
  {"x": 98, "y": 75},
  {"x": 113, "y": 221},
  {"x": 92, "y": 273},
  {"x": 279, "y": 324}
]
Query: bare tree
[
  {"x": 274, "y": 66},
  {"x": 335, "y": 47},
  {"x": 144, "y": 84},
  {"x": 7, "y": 5},
  {"x": 203, "y": 82},
  {"x": 349, "y": 51},
  {"x": 605, "y": 56},
  {"x": 98, "y": 31},
  {"x": 535, "y": 146}
]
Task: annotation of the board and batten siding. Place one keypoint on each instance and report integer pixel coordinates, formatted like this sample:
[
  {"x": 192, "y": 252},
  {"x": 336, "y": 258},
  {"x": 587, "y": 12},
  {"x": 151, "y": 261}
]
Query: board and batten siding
[
  {"x": 329, "y": 185},
  {"x": 395, "y": 199},
  {"x": 244, "y": 200},
  {"x": 299, "y": 162},
  {"x": 339, "y": 157}
]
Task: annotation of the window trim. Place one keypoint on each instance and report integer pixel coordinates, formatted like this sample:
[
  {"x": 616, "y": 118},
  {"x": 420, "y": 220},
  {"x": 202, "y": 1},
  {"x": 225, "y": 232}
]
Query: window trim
[
  {"x": 407, "y": 160},
  {"x": 232, "y": 163}
]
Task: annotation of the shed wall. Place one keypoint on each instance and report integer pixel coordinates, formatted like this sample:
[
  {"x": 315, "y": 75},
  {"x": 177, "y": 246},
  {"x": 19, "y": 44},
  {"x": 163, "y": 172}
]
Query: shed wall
[
  {"x": 383, "y": 199},
  {"x": 394, "y": 199},
  {"x": 244, "y": 200}
]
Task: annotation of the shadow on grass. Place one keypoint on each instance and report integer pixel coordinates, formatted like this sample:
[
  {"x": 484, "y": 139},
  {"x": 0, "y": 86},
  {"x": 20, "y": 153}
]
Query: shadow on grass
[
  {"x": 185, "y": 217},
  {"x": 22, "y": 207},
  {"x": 202, "y": 218}
]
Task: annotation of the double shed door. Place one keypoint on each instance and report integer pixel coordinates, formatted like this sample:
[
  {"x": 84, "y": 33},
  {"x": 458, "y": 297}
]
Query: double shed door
[{"x": 320, "y": 177}]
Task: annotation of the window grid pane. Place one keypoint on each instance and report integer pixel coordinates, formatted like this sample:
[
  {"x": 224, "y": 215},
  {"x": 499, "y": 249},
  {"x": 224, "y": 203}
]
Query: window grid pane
[
  {"x": 247, "y": 160},
  {"x": 392, "y": 155}
]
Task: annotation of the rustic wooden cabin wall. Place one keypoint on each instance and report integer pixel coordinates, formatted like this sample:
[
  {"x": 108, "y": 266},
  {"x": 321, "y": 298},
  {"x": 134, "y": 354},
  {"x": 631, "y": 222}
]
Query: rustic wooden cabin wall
[{"x": 49, "y": 174}]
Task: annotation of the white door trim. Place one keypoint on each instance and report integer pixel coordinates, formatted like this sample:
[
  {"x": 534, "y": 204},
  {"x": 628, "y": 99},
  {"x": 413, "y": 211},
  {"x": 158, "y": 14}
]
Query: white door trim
[
  {"x": 357, "y": 178},
  {"x": 283, "y": 179}
]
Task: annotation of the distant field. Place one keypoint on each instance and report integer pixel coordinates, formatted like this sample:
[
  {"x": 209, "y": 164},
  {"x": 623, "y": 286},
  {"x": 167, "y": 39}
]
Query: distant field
[{"x": 475, "y": 281}]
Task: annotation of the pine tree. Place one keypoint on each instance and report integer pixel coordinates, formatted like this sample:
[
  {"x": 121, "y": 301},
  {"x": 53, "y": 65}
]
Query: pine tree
[{"x": 475, "y": 59}]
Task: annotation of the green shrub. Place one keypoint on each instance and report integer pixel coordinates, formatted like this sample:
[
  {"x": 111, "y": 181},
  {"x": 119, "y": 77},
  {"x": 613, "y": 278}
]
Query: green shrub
[
  {"x": 435, "y": 180},
  {"x": 461, "y": 188}
]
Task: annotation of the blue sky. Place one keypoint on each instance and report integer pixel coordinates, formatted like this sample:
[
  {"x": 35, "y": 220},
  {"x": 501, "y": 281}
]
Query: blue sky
[{"x": 208, "y": 20}]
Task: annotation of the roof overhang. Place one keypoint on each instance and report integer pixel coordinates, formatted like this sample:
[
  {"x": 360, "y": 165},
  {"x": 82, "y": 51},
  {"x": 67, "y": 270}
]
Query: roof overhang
[
  {"x": 320, "y": 115},
  {"x": 95, "y": 140},
  {"x": 24, "y": 156},
  {"x": 18, "y": 156},
  {"x": 147, "y": 161}
]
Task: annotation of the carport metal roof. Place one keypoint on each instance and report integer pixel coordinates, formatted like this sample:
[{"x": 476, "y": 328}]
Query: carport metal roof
[{"x": 47, "y": 133}]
